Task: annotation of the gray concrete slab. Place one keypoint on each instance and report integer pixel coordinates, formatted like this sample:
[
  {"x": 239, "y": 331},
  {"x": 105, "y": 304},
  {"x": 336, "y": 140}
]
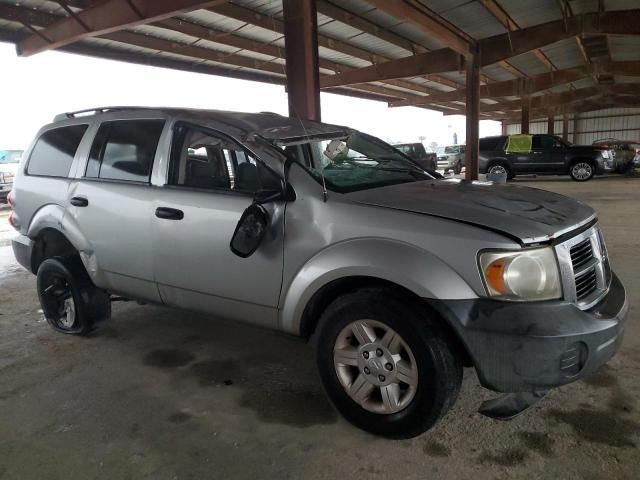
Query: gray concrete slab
[{"x": 164, "y": 394}]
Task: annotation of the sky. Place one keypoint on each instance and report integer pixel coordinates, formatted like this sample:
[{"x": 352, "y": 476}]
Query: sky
[{"x": 35, "y": 89}]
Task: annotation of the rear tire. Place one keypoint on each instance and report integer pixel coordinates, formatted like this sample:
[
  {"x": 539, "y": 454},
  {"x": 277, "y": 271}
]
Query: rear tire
[
  {"x": 582, "y": 171},
  {"x": 503, "y": 166},
  {"x": 399, "y": 377},
  {"x": 70, "y": 302}
]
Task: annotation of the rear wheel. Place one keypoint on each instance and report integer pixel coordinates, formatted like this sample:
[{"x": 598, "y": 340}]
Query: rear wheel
[
  {"x": 581, "y": 171},
  {"x": 386, "y": 366},
  {"x": 70, "y": 302},
  {"x": 500, "y": 169}
]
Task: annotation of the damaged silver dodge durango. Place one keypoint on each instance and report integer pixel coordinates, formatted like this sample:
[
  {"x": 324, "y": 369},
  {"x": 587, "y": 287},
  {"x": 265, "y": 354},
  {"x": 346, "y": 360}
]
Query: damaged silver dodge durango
[{"x": 320, "y": 231}]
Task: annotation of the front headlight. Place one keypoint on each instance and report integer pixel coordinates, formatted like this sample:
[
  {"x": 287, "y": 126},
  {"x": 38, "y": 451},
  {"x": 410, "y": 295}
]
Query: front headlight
[{"x": 522, "y": 275}]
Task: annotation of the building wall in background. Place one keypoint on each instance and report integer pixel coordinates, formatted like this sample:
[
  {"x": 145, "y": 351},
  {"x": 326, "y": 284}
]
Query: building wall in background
[{"x": 619, "y": 123}]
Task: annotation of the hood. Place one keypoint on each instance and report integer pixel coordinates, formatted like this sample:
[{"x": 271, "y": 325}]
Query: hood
[{"x": 528, "y": 214}]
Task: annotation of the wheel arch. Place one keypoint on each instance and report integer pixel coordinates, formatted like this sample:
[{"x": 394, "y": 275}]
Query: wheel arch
[
  {"x": 56, "y": 233},
  {"x": 401, "y": 268}
]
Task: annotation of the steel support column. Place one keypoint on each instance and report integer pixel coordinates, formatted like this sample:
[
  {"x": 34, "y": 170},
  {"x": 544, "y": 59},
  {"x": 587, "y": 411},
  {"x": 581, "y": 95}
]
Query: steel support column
[
  {"x": 525, "y": 122},
  {"x": 551, "y": 124},
  {"x": 301, "y": 49},
  {"x": 565, "y": 127},
  {"x": 473, "y": 113}
]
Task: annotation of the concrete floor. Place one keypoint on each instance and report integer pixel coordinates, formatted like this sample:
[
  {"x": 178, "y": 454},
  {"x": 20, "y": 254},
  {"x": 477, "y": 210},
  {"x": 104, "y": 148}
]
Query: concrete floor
[{"x": 163, "y": 394}]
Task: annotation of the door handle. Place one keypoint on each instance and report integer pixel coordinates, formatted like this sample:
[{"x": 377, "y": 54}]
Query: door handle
[
  {"x": 79, "y": 201},
  {"x": 167, "y": 213}
]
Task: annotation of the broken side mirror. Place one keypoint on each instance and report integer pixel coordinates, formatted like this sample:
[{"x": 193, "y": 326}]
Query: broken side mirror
[{"x": 250, "y": 230}]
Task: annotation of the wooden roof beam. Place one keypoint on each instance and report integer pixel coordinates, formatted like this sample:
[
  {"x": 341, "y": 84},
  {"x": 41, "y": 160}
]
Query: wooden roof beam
[
  {"x": 415, "y": 13},
  {"x": 497, "y": 48},
  {"x": 103, "y": 18}
]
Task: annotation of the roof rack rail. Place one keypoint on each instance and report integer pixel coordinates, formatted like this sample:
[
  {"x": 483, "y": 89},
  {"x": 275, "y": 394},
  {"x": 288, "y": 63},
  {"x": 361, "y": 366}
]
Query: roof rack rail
[{"x": 91, "y": 111}]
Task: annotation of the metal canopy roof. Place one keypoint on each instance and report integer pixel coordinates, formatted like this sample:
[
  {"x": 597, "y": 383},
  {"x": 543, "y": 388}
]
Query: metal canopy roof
[{"x": 562, "y": 56}]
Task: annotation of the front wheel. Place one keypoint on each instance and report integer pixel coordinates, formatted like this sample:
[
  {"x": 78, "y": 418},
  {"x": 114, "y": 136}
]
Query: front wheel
[
  {"x": 458, "y": 168},
  {"x": 581, "y": 171},
  {"x": 386, "y": 365}
]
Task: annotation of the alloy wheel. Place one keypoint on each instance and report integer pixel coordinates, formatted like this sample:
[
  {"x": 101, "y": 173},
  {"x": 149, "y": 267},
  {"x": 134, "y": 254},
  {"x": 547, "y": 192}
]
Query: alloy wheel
[
  {"x": 582, "y": 171},
  {"x": 59, "y": 302},
  {"x": 498, "y": 170},
  {"x": 375, "y": 366}
]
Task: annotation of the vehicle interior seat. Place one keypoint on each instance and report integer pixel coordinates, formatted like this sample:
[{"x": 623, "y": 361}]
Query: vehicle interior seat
[{"x": 247, "y": 177}]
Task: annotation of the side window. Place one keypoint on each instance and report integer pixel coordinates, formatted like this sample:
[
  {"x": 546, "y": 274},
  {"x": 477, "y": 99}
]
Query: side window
[
  {"x": 53, "y": 153},
  {"x": 462, "y": 148},
  {"x": 542, "y": 142},
  {"x": 124, "y": 150},
  {"x": 203, "y": 159}
]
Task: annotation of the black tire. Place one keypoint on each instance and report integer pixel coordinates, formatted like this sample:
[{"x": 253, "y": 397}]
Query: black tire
[
  {"x": 65, "y": 280},
  {"x": 458, "y": 168},
  {"x": 510, "y": 174},
  {"x": 439, "y": 371},
  {"x": 582, "y": 170}
]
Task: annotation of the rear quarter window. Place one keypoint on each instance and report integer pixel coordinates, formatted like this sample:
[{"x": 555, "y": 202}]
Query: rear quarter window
[{"x": 53, "y": 152}]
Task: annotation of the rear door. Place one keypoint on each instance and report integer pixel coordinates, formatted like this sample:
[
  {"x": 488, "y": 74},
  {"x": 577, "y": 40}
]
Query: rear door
[
  {"x": 211, "y": 181},
  {"x": 112, "y": 203}
]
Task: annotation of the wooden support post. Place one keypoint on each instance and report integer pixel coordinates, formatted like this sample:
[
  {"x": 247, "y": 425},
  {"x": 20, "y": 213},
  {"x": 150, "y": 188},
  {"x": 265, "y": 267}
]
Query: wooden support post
[
  {"x": 526, "y": 106},
  {"x": 565, "y": 127},
  {"x": 301, "y": 49},
  {"x": 473, "y": 113},
  {"x": 551, "y": 124}
]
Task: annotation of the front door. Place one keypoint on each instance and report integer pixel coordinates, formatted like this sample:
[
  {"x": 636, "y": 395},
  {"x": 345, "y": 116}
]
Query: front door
[
  {"x": 547, "y": 155},
  {"x": 211, "y": 181}
]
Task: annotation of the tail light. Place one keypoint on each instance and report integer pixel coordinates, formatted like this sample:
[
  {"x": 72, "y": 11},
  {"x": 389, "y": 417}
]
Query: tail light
[{"x": 13, "y": 221}]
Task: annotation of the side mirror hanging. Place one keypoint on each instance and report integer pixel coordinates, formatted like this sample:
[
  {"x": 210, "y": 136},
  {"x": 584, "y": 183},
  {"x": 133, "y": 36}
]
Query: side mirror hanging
[{"x": 250, "y": 230}]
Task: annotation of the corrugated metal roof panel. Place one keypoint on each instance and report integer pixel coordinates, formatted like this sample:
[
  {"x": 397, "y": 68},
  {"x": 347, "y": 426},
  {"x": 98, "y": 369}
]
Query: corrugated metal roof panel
[
  {"x": 610, "y": 5},
  {"x": 627, "y": 79},
  {"x": 45, "y": 6},
  {"x": 473, "y": 19},
  {"x": 624, "y": 48},
  {"x": 564, "y": 54},
  {"x": 266, "y": 7},
  {"x": 527, "y": 13},
  {"x": 377, "y": 45},
  {"x": 584, "y": 6},
  {"x": 528, "y": 64},
  {"x": 211, "y": 19}
]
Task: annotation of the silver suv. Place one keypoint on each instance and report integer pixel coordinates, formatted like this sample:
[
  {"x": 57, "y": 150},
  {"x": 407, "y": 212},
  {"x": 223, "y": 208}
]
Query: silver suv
[{"x": 323, "y": 232}]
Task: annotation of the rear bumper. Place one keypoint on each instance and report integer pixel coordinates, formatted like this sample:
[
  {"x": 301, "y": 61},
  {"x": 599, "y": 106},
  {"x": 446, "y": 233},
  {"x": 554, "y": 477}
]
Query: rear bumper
[
  {"x": 22, "y": 249},
  {"x": 519, "y": 347}
]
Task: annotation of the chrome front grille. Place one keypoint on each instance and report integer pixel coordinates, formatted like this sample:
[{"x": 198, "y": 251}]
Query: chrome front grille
[
  {"x": 581, "y": 253},
  {"x": 584, "y": 268},
  {"x": 586, "y": 284}
]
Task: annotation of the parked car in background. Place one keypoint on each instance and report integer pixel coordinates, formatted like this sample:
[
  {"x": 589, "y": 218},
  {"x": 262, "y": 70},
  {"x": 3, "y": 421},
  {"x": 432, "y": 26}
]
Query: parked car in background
[
  {"x": 540, "y": 155},
  {"x": 619, "y": 153},
  {"x": 9, "y": 161},
  {"x": 417, "y": 153},
  {"x": 325, "y": 233},
  {"x": 451, "y": 158}
]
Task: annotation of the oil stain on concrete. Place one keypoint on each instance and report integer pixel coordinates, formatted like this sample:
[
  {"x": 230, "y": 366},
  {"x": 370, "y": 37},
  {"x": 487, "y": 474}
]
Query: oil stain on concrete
[
  {"x": 433, "y": 448},
  {"x": 599, "y": 426},
  {"x": 168, "y": 358},
  {"x": 510, "y": 457},
  {"x": 539, "y": 442}
]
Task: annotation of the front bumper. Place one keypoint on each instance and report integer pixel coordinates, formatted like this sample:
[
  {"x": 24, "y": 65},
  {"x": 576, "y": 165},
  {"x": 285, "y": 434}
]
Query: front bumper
[{"x": 523, "y": 347}]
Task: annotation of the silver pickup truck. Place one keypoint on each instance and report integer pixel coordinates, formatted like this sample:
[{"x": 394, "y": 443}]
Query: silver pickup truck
[{"x": 399, "y": 279}]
